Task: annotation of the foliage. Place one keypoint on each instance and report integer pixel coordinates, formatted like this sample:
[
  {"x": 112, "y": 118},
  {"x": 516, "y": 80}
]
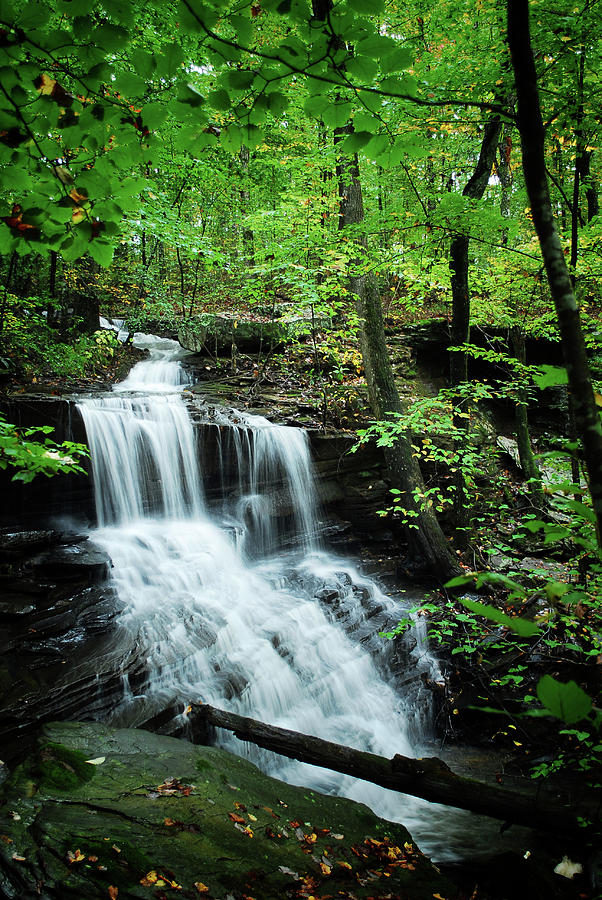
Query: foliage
[{"x": 37, "y": 457}]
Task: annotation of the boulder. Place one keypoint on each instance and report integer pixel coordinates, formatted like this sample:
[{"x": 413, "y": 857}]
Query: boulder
[
  {"x": 215, "y": 335},
  {"x": 99, "y": 812}
]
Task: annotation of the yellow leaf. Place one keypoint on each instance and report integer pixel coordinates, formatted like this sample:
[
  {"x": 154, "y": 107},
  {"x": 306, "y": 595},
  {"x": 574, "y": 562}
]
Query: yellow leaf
[
  {"x": 149, "y": 878},
  {"x": 113, "y": 892},
  {"x": 201, "y": 888}
]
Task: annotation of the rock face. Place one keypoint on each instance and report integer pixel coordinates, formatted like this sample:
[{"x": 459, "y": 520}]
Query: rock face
[
  {"x": 97, "y": 812},
  {"x": 57, "y": 655},
  {"x": 215, "y": 335}
]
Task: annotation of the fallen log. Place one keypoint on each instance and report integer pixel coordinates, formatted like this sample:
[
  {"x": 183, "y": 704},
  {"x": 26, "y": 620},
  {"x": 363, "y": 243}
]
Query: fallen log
[{"x": 429, "y": 778}]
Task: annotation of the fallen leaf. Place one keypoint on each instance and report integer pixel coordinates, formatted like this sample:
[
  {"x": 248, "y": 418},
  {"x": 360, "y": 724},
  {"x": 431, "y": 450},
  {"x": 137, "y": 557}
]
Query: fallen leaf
[
  {"x": 96, "y": 762},
  {"x": 286, "y": 871},
  {"x": 116, "y": 848},
  {"x": 236, "y": 818},
  {"x": 201, "y": 888},
  {"x": 75, "y": 857},
  {"x": 6, "y": 839},
  {"x": 337, "y": 837},
  {"x": 325, "y": 869},
  {"x": 252, "y": 817},
  {"x": 168, "y": 821},
  {"x": 149, "y": 879},
  {"x": 18, "y": 858},
  {"x": 113, "y": 892}
]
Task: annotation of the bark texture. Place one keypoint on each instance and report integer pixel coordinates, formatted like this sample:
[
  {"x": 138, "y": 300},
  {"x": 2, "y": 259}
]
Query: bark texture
[
  {"x": 429, "y": 778},
  {"x": 424, "y": 533},
  {"x": 530, "y": 124}
]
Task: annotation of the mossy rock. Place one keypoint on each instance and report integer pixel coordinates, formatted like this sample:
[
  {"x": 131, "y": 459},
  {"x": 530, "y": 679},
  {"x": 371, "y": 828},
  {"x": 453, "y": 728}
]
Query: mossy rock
[
  {"x": 154, "y": 817},
  {"x": 214, "y": 334}
]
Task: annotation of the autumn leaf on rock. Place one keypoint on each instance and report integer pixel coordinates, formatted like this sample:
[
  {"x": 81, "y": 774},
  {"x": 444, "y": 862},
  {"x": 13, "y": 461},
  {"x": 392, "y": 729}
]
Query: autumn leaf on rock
[
  {"x": 286, "y": 871},
  {"x": 236, "y": 818}
]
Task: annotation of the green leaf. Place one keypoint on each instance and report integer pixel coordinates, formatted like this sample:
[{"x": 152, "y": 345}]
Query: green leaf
[
  {"x": 316, "y": 106},
  {"x": 101, "y": 252},
  {"x": 243, "y": 28},
  {"x": 219, "y": 100},
  {"x": 366, "y": 7},
  {"x": 130, "y": 85},
  {"x": 154, "y": 114},
  {"x": 355, "y": 142},
  {"x": 363, "y": 69},
  {"x": 585, "y": 512},
  {"x": 376, "y": 46},
  {"x": 337, "y": 114},
  {"x": 522, "y": 627},
  {"x": 564, "y": 701},
  {"x": 240, "y": 79},
  {"x": 110, "y": 37},
  {"x": 551, "y": 376},
  {"x": 277, "y": 103}
]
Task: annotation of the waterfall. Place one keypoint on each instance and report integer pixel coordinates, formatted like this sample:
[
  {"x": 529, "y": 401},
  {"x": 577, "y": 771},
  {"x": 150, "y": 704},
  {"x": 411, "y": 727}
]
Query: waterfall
[{"x": 229, "y": 597}]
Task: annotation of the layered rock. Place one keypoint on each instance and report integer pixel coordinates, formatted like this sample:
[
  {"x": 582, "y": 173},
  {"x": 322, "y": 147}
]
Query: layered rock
[{"x": 98, "y": 812}]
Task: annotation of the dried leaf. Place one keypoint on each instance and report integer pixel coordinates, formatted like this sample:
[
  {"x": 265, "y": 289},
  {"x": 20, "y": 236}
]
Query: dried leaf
[
  {"x": 337, "y": 837},
  {"x": 149, "y": 879},
  {"x": 236, "y": 818},
  {"x": 113, "y": 892},
  {"x": 326, "y": 870},
  {"x": 201, "y": 888},
  {"x": 286, "y": 871},
  {"x": 75, "y": 857},
  {"x": 96, "y": 762}
]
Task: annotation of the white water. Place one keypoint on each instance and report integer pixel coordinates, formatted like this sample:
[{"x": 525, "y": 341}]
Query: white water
[{"x": 225, "y": 604}]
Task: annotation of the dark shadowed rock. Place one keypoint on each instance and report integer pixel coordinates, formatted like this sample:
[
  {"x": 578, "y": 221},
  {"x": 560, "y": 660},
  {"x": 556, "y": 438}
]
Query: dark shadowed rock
[{"x": 151, "y": 816}]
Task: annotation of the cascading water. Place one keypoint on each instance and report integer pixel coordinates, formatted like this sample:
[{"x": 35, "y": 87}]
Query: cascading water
[{"x": 230, "y": 599}]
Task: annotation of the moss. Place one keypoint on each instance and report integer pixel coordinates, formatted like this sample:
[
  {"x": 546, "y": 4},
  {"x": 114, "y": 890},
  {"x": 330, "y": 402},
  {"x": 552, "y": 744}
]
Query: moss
[
  {"x": 59, "y": 768},
  {"x": 201, "y": 765}
]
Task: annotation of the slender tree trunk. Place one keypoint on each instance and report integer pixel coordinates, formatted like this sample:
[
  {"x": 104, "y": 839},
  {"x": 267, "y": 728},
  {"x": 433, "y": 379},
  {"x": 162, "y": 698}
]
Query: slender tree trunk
[
  {"x": 424, "y": 532},
  {"x": 530, "y": 125},
  {"x": 460, "y": 324},
  {"x": 578, "y": 168},
  {"x": 523, "y": 438},
  {"x": 245, "y": 197},
  {"x": 591, "y": 186}
]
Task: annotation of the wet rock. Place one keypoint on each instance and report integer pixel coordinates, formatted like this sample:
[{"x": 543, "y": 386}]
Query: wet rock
[
  {"x": 72, "y": 563},
  {"x": 57, "y": 614},
  {"x": 214, "y": 334},
  {"x": 152, "y": 815}
]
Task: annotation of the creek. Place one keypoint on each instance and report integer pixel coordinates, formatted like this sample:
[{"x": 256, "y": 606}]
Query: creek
[{"x": 230, "y": 597}]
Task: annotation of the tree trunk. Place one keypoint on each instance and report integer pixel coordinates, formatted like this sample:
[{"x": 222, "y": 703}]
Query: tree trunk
[
  {"x": 423, "y": 531},
  {"x": 523, "y": 437},
  {"x": 460, "y": 324},
  {"x": 530, "y": 125},
  {"x": 247, "y": 233},
  {"x": 429, "y": 778}
]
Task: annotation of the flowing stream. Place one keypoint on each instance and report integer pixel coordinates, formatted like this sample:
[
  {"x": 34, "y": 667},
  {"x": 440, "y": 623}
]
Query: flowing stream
[{"x": 229, "y": 596}]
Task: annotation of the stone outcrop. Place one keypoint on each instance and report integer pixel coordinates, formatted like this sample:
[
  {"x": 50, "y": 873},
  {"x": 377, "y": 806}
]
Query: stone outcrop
[
  {"x": 57, "y": 611},
  {"x": 98, "y": 812},
  {"x": 215, "y": 335}
]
